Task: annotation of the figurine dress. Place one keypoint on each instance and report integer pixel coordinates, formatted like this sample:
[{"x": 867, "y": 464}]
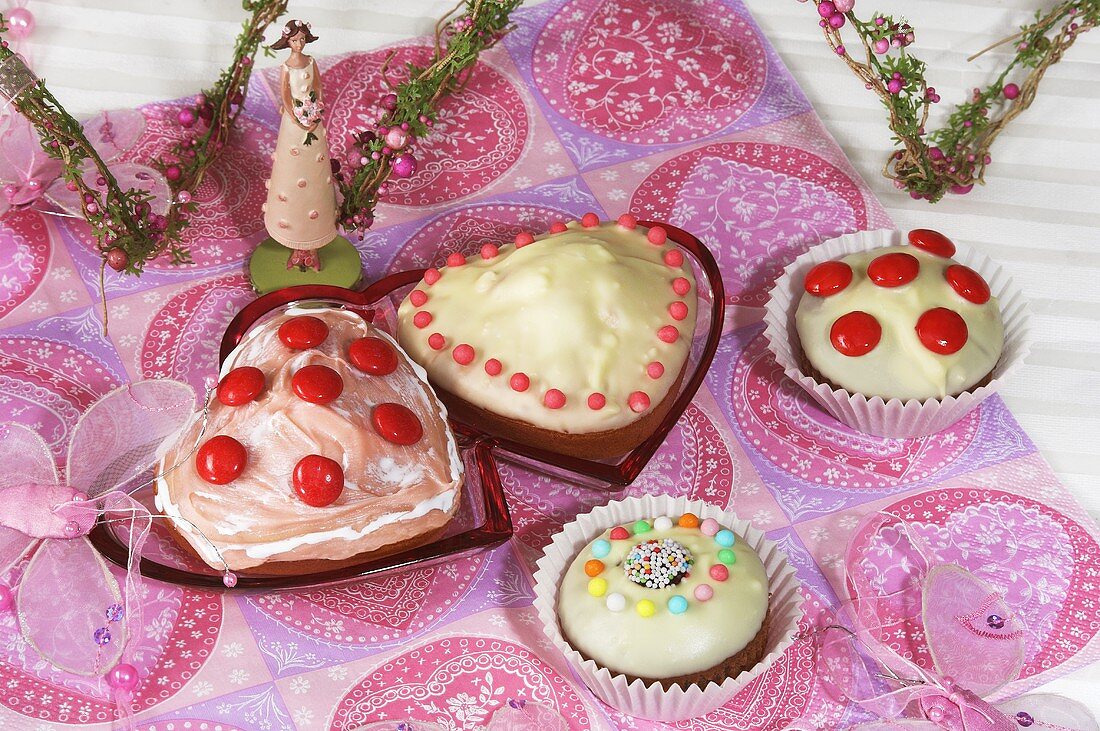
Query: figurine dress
[{"x": 300, "y": 212}]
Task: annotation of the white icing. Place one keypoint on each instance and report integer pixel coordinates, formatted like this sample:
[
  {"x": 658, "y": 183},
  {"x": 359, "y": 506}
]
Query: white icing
[
  {"x": 900, "y": 366},
  {"x": 577, "y": 311}
]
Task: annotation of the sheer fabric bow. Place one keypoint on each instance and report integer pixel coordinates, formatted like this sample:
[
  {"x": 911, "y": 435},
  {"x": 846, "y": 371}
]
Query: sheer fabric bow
[
  {"x": 69, "y": 606},
  {"x": 976, "y": 643}
]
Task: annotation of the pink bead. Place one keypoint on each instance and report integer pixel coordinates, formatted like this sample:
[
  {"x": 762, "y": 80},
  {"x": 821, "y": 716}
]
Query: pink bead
[
  {"x": 638, "y": 402},
  {"x": 655, "y": 369},
  {"x": 678, "y": 310},
  {"x": 463, "y": 354},
  {"x": 674, "y": 258},
  {"x": 493, "y": 367},
  {"x": 184, "y": 197},
  {"x": 397, "y": 139},
  {"x": 431, "y": 276},
  {"x": 628, "y": 221},
  {"x": 455, "y": 259},
  {"x": 519, "y": 382},
  {"x": 657, "y": 236},
  {"x": 709, "y": 527},
  {"x": 523, "y": 238},
  {"x": 826, "y": 8},
  {"x": 719, "y": 572},
  {"x": 123, "y": 676},
  {"x": 389, "y": 102},
  {"x": 229, "y": 579},
  {"x": 894, "y": 86},
  {"x": 836, "y": 21},
  {"x": 418, "y": 298},
  {"x": 590, "y": 220},
  {"x": 404, "y": 165},
  {"x": 704, "y": 592},
  {"x": 681, "y": 286},
  {"x": 597, "y": 401},
  {"x": 553, "y": 399},
  {"x": 489, "y": 251},
  {"x": 882, "y": 46},
  {"x": 557, "y": 227},
  {"x": 172, "y": 172},
  {"x": 7, "y": 599},
  {"x": 1011, "y": 91},
  {"x": 186, "y": 117},
  {"x": 668, "y": 334},
  {"x": 92, "y": 208},
  {"x": 844, "y": 6},
  {"x": 436, "y": 341},
  {"x": 20, "y": 23},
  {"x": 422, "y": 319}
]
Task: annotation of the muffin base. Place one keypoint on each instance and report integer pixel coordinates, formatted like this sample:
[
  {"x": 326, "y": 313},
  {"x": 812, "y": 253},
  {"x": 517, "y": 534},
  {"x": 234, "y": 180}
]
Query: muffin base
[{"x": 806, "y": 367}]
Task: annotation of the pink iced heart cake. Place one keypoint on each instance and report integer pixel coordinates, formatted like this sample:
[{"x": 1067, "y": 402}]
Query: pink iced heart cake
[
  {"x": 324, "y": 443},
  {"x": 573, "y": 341}
]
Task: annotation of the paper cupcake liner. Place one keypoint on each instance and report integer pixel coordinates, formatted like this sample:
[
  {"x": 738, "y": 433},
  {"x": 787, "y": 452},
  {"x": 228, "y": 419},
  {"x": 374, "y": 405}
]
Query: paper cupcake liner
[
  {"x": 894, "y": 418},
  {"x": 653, "y": 701}
]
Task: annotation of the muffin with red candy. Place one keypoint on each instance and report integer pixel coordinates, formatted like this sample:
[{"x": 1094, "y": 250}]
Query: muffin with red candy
[
  {"x": 891, "y": 330},
  {"x": 573, "y": 340},
  {"x": 322, "y": 443}
]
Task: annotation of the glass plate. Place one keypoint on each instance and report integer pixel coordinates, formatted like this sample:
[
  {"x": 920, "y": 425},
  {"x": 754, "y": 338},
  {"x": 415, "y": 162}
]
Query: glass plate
[{"x": 378, "y": 303}]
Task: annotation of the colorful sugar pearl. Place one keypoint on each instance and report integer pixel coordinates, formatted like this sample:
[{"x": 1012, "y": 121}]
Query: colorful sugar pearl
[
  {"x": 689, "y": 520},
  {"x": 656, "y": 564},
  {"x": 725, "y": 538},
  {"x": 727, "y": 556},
  {"x": 601, "y": 548},
  {"x": 704, "y": 592},
  {"x": 677, "y": 604},
  {"x": 593, "y": 567},
  {"x": 618, "y": 533},
  {"x": 616, "y": 602},
  {"x": 645, "y": 608},
  {"x": 663, "y": 523},
  {"x": 710, "y": 527},
  {"x": 597, "y": 586},
  {"x": 642, "y": 527},
  {"x": 718, "y": 572}
]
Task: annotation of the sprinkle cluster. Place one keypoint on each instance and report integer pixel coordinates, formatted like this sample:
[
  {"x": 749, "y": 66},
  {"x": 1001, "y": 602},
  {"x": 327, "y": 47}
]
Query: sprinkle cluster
[{"x": 657, "y": 564}]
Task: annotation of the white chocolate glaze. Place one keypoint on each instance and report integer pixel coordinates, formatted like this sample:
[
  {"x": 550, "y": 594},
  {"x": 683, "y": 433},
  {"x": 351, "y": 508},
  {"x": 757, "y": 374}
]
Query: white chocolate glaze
[
  {"x": 391, "y": 492},
  {"x": 664, "y": 645},
  {"x": 577, "y": 311},
  {"x": 900, "y": 366}
]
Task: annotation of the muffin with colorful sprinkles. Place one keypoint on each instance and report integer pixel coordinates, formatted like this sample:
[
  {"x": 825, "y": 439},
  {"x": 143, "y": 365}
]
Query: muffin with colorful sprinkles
[{"x": 672, "y": 599}]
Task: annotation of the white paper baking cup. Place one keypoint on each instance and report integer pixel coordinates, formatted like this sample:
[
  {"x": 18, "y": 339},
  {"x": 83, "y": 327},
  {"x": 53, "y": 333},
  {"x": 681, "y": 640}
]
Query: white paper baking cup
[
  {"x": 653, "y": 701},
  {"x": 894, "y": 418}
]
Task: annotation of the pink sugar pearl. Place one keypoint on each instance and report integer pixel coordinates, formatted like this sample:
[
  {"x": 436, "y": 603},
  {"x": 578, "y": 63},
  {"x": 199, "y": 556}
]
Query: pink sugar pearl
[{"x": 710, "y": 527}]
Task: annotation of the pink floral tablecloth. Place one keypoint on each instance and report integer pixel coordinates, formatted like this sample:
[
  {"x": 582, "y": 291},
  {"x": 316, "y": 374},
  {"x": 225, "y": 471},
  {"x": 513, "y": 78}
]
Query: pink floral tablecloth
[{"x": 676, "y": 110}]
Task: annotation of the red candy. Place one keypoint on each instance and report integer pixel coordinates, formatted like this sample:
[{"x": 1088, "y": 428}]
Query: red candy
[
  {"x": 489, "y": 251},
  {"x": 618, "y": 533},
  {"x": 718, "y": 572},
  {"x": 463, "y": 354},
  {"x": 655, "y": 370},
  {"x": 436, "y": 341},
  {"x": 674, "y": 258},
  {"x": 657, "y": 236},
  {"x": 418, "y": 297},
  {"x": 523, "y": 238},
  {"x": 373, "y": 355},
  {"x": 303, "y": 332},
  {"x": 597, "y": 401},
  {"x": 590, "y": 220},
  {"x": 493, "y": 367},
  {"x": 318, "y": 480},
  {"x": 932, "y": 241},
  {"x": 553, "y": 399},
  {"x": 638, "y": 402},
  {"x": 431, "y": 276},
  {"x": 893, "y": 270},
  {"x": 397, "y": 424},
  {"x": 240, "y": 386},
  {"x": 317, "y": 384},
  {"x": 855, "y": 334},
  {"x": 221, "y": 460},
  {"x": 628, "y": 221},
  {"x": 678, "y": 310},
  {"x": 455, "y": 259},
  {"x": 942, "y": 331},
  {"x": 519, "y": 382},
  {"x": 668, "y": 334},
  {"x": 827, "y": 278},
  {"x": 557, "y": 227},
  {"x": 422, "y": 319},
  {"x": 967, "y": 283},
  {"x": 681, "y": 286}
]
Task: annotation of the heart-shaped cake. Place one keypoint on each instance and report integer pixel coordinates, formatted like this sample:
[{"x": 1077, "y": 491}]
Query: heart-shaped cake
[
  {"x": 573, "y": 341},
  {"x": 324, "y": 443}
]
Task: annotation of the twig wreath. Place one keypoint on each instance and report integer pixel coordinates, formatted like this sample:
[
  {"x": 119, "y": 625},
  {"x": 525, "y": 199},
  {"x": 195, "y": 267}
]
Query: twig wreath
[
  {"x": 954, "y": 157},
  {"x": 129, "y": 232}
]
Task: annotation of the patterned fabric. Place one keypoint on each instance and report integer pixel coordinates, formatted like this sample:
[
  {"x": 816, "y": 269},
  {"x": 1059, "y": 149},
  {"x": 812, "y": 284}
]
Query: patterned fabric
[{"x": 671, "y": 109}]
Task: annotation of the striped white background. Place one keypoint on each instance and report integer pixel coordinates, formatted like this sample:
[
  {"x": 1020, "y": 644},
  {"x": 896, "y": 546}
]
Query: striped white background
[{"x": 1039, "y": 214}]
